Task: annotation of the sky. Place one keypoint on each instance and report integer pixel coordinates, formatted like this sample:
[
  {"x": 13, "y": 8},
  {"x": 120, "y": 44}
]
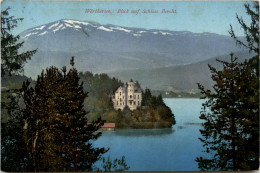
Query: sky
[{"x": 195, "y": 16}]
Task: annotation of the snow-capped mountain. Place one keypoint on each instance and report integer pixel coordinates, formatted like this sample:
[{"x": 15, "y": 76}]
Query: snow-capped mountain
[
  {"x": 101, "y": 48},
  {"x": 56, "y": 27},
  {"x": 87, "y": 26}
]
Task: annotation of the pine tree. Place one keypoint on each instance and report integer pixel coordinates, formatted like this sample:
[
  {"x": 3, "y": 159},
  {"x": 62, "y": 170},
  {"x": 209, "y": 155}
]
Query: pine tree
[
  {"x": 146, "y": 97},
  {"x": 160, "y": 101},
  {"x": 14, "y": 155},
  {"x": 231, "y": 129},
  {"x": 231, "y": 125},
  {"x": 55, "y": 133},
  {"x": 12, "y": 60},
  {"x": 252, "y": 31},
  {"x": 117, "y": 165}
]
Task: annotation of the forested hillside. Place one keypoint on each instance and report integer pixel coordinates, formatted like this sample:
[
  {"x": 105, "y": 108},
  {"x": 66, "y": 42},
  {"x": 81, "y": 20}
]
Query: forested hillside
[{"x": 153, "y": 113}]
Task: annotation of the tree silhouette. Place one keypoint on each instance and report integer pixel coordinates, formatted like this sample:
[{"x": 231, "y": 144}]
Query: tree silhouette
[
  {"x": 56, "y": 135},
  {"x": 231, "y": 129},
  {"x": 12, "y": 60},
  {"x": 231, "y": 123},
  {"x": 252, "y": 31}
]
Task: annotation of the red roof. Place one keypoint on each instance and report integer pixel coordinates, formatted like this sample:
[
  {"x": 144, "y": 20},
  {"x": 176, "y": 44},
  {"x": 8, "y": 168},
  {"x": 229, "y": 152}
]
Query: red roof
[{"x": 109, "y": 125}]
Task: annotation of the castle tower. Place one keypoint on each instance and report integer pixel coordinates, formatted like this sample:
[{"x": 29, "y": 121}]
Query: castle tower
[
  {"x": 119, "y": 99},
  {"x": 130, "y": 95}
]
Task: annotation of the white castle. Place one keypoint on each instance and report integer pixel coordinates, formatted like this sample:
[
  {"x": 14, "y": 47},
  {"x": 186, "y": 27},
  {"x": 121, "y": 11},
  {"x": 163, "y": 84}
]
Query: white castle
[{"x": 130, "y": 95}]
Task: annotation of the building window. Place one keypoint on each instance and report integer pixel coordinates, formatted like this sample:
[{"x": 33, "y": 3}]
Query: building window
[
  {"x": 130, "y": 96},
  {"x": 120, "y": 93},
  {"x": 117, "y": 103},
  {"x": 138, "y": 96},
  {"x": 120, "y": 103},
  {"x": 134, "y": 96},
  {"x": 123, "y": 103},
  {"x": 123, "y": 97},
  {"x": 134, "y": 103}
]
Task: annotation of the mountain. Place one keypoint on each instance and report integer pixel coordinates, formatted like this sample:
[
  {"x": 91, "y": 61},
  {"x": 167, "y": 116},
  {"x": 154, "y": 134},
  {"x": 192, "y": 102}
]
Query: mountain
[
  {"x": 178, "y": 78},
  {"x": 104, "y": 48}
]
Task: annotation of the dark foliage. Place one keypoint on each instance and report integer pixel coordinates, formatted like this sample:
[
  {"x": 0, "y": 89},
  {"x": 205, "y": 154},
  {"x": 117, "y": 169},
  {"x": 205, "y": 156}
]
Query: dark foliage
[
  {"x": 150, "y": 100},
  {"x": 14, "y": 156},
  {"x": 155, "y": 107},
  {"x": 12, "y": 60},
  {"x": 117, "y": 165},
  {"x": 146, "y": 97},
  {"x": 99, "y": 84},
  {"x": 231, "y": 128},
  {"x": 251, "y": 31},
  {"x": 230, "y": 131},
  {"x": 153, "y": 113},
  {"x": 54, "y": 133}
]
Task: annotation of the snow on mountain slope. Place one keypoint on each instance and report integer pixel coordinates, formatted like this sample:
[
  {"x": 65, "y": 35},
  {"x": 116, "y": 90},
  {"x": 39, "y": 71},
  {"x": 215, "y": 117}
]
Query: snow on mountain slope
[
  {"x": 109, "y": 47},
  {"x": 78, "y": 25},
  {"x": 105, "y": 29}
]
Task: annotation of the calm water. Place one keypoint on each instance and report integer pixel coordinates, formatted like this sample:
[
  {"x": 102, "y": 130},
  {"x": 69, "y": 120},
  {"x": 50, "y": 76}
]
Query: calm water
[{"x": 173, "y": 149}]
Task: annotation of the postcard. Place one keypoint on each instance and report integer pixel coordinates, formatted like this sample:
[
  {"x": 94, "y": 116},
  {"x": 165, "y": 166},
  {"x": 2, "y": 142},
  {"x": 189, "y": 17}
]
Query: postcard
[{"x": 129, "y": 85}]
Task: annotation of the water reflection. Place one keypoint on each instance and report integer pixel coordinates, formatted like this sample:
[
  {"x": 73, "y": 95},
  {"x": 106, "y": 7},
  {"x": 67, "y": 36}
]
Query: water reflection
[
  {"x": 190, "y": 123},
  {"x": 180, "y": 127},
  {"x": 144, "y": 132},
  {"x": 161, "y": 149}
]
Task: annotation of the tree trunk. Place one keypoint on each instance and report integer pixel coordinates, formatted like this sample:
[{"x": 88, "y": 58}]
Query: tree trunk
[{"x": 34, "y": 147}]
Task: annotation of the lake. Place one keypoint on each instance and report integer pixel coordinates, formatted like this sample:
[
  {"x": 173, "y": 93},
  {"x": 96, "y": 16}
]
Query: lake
[{"x": 171, "y": 149}]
